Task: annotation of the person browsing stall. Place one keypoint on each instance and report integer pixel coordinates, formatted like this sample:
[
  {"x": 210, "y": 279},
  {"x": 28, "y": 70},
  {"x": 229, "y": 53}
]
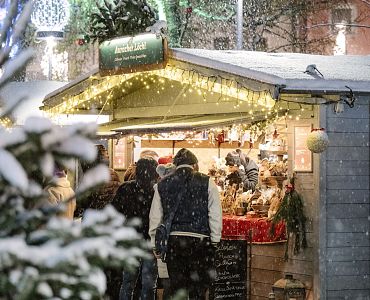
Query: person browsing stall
[
  {"x": 133, "y": 199},
  {"x": 196, "y": 225},
  {"x": 60, "y": 192},
  {"x": 242, "y": 170}
]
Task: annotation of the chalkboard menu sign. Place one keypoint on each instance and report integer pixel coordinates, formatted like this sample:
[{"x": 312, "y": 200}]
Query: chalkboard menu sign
[{"x": 231, "y": 270}]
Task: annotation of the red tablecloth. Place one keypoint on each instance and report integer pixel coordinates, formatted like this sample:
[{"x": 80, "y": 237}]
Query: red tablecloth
[{"x": 237, "y": 227}]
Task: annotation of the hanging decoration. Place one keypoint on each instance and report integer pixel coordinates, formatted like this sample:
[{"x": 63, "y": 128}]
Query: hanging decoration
[
  {"x": 50, "y": 17},
  {"x": 317, "y": 141},
  {"x": 229, "y": 90},
  {"x": 291, "y": 211}
]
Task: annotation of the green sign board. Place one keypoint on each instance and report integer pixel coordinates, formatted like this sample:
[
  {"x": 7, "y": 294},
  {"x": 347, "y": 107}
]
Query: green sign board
[{"x": 132, "y": 54}]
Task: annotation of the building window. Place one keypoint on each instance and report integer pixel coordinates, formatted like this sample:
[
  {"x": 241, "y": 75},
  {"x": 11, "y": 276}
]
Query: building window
[
  {"x": 221, "y": 43},
  {"x": 340, "y": 17}
]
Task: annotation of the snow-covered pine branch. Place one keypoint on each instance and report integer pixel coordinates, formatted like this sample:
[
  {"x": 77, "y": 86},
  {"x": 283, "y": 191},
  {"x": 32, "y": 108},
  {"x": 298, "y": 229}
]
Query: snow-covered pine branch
[{"x": 43, "y": 256}]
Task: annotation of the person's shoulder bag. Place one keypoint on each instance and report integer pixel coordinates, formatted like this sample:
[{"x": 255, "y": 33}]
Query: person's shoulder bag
[{"x": 162, "y": 233}]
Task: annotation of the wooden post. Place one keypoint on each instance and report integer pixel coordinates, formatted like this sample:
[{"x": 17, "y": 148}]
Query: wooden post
[
  {"x": 173, "y": 147},
  {"x": 250, "y": 264}
]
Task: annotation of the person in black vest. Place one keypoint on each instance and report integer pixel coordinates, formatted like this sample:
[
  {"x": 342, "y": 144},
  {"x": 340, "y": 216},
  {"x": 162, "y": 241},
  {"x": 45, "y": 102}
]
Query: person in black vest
[
  {"x": 196, "y": 226},
  {"x": 133, "y": 199}
]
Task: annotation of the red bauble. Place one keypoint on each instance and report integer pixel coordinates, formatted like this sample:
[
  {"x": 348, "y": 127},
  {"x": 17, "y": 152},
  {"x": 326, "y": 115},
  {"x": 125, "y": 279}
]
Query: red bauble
[
  {"x": 189, "y": 10},
  {"x": 80, "y": 42}
]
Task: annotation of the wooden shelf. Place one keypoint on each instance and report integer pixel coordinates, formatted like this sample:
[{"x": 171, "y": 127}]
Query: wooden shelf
[{"x": 277, "y": 152}]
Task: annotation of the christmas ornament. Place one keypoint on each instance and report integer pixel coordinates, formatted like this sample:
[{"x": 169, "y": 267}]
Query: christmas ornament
[
  {"x": 82, "y": 40},
  {"x": 189, "y": 10},
  {"x": 221, "y": 137},
  {"x": 291, "y": 212},
  {"x": 317, "y": 141}
]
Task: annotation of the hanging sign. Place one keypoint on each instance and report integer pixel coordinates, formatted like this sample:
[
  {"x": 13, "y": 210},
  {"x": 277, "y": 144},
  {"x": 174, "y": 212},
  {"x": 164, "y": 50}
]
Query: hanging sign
[{"x": 143, "y": 52}]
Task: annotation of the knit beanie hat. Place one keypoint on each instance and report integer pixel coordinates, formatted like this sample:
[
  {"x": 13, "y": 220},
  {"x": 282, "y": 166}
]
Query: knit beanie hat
[
  {"x": 165, "y": 169},
  {"x": 185, "y": 157},
  {"x": 233, "y": 159}
]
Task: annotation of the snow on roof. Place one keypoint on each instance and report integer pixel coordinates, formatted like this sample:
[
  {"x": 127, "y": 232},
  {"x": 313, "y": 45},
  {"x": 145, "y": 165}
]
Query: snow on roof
[
  {"x": 33, "y": 91},
  {"x": 286, "y": 69}
]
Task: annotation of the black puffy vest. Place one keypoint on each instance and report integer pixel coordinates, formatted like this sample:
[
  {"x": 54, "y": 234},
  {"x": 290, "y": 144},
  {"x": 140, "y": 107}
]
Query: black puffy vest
[{"x": 192, "y": 190}]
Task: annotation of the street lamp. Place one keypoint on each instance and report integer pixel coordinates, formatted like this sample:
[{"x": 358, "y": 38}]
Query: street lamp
[
  {"x": 50, "y": 17},
  {"x": 239, "y": 25}
]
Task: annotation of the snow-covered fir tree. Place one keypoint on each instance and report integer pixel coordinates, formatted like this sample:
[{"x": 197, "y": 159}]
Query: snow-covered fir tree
[
  {"x": 43, "y": 256},
  {"x": 114, "y": 18}
]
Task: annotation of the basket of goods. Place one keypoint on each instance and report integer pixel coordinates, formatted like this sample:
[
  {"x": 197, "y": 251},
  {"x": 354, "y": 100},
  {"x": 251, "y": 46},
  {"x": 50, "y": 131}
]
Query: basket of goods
[
  {"x": 274, "y": 174},
  {"x": 261, "y": 209},
  {"x": 261, "y": 205},
  {"x": 269, "y": 196},
  {"x": 278, "y": 169}
]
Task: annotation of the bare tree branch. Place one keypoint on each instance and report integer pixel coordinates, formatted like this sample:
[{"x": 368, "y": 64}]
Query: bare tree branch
[
  {"x": 366, "y": 2},
  {"x": 337, "y": 24}
]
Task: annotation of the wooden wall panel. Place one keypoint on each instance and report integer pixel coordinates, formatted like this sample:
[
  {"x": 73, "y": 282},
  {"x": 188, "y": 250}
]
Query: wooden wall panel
[
  {"x": 349, "y": 153},
  {"x": 348, "y": 168},
  {"x": 348, "y": 283},
  {"x": 340, "y": 182},
  {"x": 348, "y": 294},
  {"x": 348, "y": 225},
  {"x": 343, "y": 139},
  {"x": 359, "y": 111},
  {"x": 342, "y": 125},
  {"x": 348, "y": 211},
  {"x": 348, "y": 196},
  {"x": 344, "y": 268},
  {"x": 348, "y": 239},
  {"x": 348, "y": 204},
  {"x": 348, "y": 254}
]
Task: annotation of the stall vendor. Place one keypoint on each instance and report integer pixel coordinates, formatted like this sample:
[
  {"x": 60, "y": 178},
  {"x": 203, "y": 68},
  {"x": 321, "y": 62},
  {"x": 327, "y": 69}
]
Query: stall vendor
[{"x": 242, "y": 170}]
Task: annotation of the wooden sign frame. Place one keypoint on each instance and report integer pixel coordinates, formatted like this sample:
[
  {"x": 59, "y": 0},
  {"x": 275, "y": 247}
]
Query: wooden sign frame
[
  {"x": 302, "y": 157},
  {"x": 119, "y": 152}
]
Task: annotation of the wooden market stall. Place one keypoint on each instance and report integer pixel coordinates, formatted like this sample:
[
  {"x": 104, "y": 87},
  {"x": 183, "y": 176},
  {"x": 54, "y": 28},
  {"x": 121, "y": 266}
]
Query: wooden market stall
[{"x": 216, "y": 101}]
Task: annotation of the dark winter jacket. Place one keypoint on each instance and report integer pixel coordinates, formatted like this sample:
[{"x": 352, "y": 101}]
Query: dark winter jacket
[
  {"x": 191, "y": 189},
  {"x": 101, "y": 197},
  {"x": 134, "y": 198},
  {"x": 105, "y": 194}
]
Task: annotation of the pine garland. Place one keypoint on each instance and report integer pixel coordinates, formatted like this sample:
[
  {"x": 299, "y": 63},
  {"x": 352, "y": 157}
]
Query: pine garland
[{"x": 291, "y": 211}]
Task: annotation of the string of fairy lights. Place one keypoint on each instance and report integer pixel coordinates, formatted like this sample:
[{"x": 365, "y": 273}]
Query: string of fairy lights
[
  {"x": 228, "y": 90},
  {"x": 222, "y": 89},
  {"x": 208, "y": 87}
]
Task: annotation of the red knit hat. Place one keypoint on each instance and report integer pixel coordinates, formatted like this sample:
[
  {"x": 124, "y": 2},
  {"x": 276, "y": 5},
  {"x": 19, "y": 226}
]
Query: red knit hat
[{"x": 165, "y": 160}]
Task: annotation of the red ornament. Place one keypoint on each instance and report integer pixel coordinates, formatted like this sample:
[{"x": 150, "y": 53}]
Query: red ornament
[
  {"x": 289, "y": 188},
  {"x": 221, "y": 137},
  {"x": 189, "y": 10},
  {"x": 80, "y": 42}
]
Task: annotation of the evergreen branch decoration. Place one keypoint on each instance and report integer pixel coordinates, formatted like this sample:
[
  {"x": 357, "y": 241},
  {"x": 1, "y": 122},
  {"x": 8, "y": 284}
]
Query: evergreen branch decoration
[
  {"x": 115, "y": 18},
  {"x": 291, "y": 212}
]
